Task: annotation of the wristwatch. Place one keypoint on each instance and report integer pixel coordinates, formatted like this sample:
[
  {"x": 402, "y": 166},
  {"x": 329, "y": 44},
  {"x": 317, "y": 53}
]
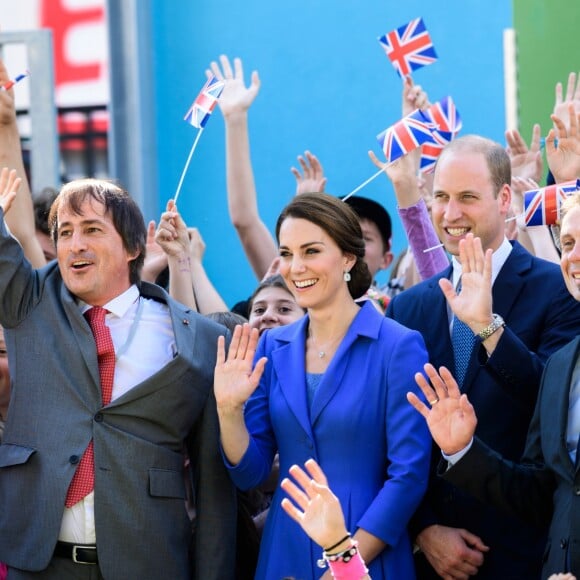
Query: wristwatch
[{"x": 496, "y": 324}]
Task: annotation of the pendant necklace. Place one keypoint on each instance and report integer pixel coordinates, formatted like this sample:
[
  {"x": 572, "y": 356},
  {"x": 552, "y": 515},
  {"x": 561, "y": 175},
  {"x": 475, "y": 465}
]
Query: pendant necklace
[{"x": 322, "y": 352}]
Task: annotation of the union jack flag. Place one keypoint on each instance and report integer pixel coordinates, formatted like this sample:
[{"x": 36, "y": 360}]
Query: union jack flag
[
  {"x": 405, "y": 135},
  {"x": 446, "y": 116},
  {"x": 448, "y": 123},
  {"x": 429, "y": 154},
  {"x": 409, "y": 47},
  {"x": 204, "y": 104},
  {"x": 542, "y": 206}
]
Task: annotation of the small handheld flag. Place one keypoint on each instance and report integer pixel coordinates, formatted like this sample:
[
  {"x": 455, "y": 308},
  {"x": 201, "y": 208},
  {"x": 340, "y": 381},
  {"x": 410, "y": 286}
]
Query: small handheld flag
[
  {"x": 409, "y": 47},
  {"x": 446, "y": 116},
  {"x": 430, "y": 153},
  {"x": 197, "y": 116},
  {"x": 405, "y": 135},
  {"x": 204, "y": 104},
  {"x": 448, "y": 123},
  {"x": 9, "y": 84},
  {"x": 542, "y": 206},
  {"x": 399, "y": 139}
]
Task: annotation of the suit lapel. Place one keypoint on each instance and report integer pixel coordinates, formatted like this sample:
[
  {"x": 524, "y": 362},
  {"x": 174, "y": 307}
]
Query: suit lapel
[
  {"x": 568, "y": 358},
  {"x": 185, "y": 340},
  {"x": 367, "y": 324},
  {"x": 510, "y": 280},
  {"x": 288, "y": 360},
  {"x": 434, "y": 309},
  {"x": 85, "y": 340},
  {"x": 554, "y": 399},
  {"x": 505, "y": 292}
]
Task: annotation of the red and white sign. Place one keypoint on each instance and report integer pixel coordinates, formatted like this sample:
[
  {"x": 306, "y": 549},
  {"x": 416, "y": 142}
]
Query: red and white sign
[
  {"x": 80, "y": 47},
  {"x": 79, "y": 40}
]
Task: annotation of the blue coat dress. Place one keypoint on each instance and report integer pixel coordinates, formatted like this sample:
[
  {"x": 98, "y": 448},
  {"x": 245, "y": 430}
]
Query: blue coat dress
[{"x": 373, "y": 446}]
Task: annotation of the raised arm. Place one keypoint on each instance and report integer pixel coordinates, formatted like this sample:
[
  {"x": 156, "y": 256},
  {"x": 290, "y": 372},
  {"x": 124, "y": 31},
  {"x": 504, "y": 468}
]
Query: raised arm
[
  {"x": 173, "y": 238},
  {"x": 523, "y": 490},
  {"x": 312, "y": 177},
  {"x": 319, "y": 514},
  {"x": 429, "y": 258},
  {"x": 155, "y": 257},
  {"x": 234, "y": 102},
  {"x": 207, "y": 297},
  {"x": 564, "y": 160},
  {"x": 526, "y": 162},
  {"x": 411, "y": 206},
  {"x": 188, "y": 280},
  {"x": 20, "y": 220},
  {"x": 234, "y": 382},
  {"x": 449, "y": 414},
  {"x": 10, "y": 183},
  {"x": 572, "y": 97}
]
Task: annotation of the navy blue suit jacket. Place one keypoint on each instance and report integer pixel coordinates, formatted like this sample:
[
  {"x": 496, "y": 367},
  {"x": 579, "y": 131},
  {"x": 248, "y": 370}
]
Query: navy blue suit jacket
[
  {"x": 541, "y": 316},
  {"x": 545, "y": 486}
]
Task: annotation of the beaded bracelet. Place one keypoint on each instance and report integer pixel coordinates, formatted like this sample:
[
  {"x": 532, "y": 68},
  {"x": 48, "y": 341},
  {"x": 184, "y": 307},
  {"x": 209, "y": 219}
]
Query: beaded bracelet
[
  {"x": 337, "y": 544},
  {"x": 345, "y": 565},
  {"x": 345, "y": 555}
]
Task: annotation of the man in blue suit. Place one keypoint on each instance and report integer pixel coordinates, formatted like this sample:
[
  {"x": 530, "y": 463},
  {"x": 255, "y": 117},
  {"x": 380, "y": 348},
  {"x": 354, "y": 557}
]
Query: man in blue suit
[
  {"x": 507, "y": 335},
  {"x": 544, "y": 487}
]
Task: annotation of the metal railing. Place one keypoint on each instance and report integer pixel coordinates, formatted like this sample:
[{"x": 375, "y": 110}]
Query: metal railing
[{"x": 82, "y": 139}]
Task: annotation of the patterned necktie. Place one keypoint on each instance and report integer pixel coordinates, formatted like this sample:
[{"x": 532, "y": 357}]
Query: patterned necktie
[
  {"x": 83, "y": 481},
  {"x": 463, "y": 340}
]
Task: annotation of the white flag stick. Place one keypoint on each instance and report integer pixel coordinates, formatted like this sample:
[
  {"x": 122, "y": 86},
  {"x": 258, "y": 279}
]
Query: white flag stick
[
  {"x": 365, "y": 183},
  {"x": 432, "y": 248},
  {"x": 186, "y": 167}
]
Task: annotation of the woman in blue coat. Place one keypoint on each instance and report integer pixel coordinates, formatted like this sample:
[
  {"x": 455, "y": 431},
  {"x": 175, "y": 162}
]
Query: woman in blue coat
[{"x": 331, "y": 386}]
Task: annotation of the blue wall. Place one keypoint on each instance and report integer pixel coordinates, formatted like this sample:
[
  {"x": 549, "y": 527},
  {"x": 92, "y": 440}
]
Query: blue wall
[{"x": 327, "y": 86}]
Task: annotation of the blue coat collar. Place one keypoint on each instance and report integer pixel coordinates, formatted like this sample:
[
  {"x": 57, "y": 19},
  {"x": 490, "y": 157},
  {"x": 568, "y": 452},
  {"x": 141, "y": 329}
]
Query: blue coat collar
[{"x": 288, "y": 358}]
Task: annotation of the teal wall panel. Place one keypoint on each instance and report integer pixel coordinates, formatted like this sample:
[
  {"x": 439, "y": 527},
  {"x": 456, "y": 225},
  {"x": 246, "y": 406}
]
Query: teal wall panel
[{"x": 326, "y": 86}]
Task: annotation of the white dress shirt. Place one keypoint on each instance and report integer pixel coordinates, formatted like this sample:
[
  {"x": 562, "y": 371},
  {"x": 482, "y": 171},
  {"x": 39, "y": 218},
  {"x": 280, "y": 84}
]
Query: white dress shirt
[
  {"x": 144, "y": 343},
  {"x": 498, "y": 259}
]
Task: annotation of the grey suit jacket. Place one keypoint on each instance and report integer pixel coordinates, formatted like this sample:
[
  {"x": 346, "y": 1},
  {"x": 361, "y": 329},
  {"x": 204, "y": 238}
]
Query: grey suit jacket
[{"x": 141, "y": 524}]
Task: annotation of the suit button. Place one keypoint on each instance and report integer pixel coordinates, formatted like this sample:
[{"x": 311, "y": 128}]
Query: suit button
[
  {"x": 563, "y": 543},
  {"x": 99, "y": 417},
  {"x": 74, "y": 459}
]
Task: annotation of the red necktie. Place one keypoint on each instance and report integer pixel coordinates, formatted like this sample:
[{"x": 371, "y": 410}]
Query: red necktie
[{"x": 83, "y": 481}]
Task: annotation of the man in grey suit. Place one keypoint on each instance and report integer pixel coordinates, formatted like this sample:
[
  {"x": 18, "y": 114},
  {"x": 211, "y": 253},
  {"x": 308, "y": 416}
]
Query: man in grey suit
[{"x": 130, "y": 519}]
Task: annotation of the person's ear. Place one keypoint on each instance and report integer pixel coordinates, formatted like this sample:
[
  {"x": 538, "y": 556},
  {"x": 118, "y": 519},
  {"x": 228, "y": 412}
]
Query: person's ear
[
  {"x": 505, "y": 198},
  {"x": 387, "y": 260}
]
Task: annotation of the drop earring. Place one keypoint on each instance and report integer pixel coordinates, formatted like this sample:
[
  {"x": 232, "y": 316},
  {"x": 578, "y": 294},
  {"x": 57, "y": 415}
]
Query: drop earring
[{"x": 347, "y": 276}]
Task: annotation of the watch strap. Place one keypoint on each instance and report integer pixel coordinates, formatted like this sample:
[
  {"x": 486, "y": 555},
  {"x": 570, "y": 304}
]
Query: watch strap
[{"x": 497, "y": 323}]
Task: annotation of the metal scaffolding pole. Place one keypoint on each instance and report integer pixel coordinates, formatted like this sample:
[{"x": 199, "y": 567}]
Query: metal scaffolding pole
[
  {"x": 44, "y": 151},
  {"x": 132, "y": 158}
]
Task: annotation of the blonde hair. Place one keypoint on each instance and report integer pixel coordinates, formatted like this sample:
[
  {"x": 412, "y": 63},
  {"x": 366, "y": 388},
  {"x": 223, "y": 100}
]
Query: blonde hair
[{"x": 569, "y": 203}]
